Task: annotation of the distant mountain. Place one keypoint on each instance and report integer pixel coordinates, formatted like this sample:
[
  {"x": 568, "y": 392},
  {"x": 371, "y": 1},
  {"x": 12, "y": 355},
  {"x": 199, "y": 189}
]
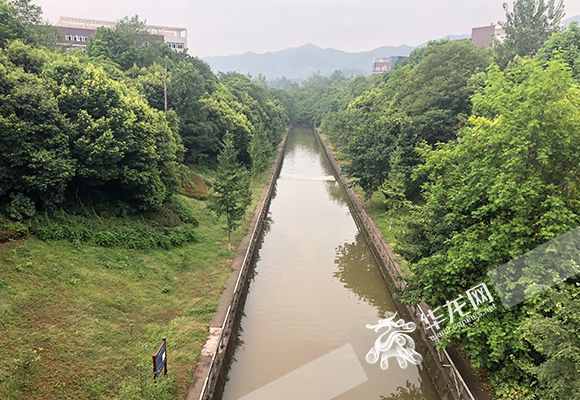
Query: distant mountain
[
  {"x": 300, "y": 63},
  {"x": 462, "y": 36},
  {"x": 569, "y": 20}
]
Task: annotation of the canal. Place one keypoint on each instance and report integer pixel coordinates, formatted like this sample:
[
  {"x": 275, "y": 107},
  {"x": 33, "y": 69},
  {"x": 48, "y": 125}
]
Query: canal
[{"x": 314, "y": 289}]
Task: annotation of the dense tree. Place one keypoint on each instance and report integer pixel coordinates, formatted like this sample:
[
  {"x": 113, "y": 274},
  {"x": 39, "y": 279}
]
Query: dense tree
[
  {"x": 86, "y": 134},
  {"x": 22, "y": 19},
  {"x": 204, "y": 106},
  {"x": 35, "y": 148},
  {"x": 10, "y": 26},
  {"x": 434, "y": 87},
  {"x": 509, "y": 184},
  {"x": 518, "y": 154},
  {"x": 224, "y": 114},
  {"x": 261, "y": 151},
  {"x": 128, "y": 44},
  {"x": 118, "y": 138},
  {"x": 230, "y": 196},
  {"x": 566, "y": 45},
  {"x": 425, "y": 99},
  {"x": 371, "y": 147},
  {"x": 319, "y": 96},
  {"x": 528, "y": 25}
]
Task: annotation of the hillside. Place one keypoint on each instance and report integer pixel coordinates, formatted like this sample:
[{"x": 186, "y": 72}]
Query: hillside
[
  {"x": 569, "y": 20},
  {"x": 301, "y": 62}
]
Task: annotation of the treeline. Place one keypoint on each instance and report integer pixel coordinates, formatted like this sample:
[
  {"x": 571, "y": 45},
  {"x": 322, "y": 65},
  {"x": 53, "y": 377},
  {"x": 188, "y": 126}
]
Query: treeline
[
  {"x": 119, "y": 123},
  {"x": 476, "y": 154}
]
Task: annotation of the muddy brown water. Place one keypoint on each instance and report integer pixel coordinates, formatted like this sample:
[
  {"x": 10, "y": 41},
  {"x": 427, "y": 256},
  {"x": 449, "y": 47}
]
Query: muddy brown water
[{"x": 314, "y": 289}]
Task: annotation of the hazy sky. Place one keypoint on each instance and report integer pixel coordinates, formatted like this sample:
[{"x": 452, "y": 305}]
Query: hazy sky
[{"x": 222, "y": 27}]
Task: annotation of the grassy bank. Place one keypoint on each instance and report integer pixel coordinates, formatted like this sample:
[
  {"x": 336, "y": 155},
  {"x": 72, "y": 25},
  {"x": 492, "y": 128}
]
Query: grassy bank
[{"x": 80, "y": 320}]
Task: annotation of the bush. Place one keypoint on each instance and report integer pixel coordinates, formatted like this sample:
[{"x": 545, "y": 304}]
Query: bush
[
  {"x": 20, "y": 207},
  {"x": 10, "y": 230},
  {"x": 131, "y": 232}
]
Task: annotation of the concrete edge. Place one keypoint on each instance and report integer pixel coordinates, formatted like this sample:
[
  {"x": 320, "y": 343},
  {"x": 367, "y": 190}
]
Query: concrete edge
[
  {"x": 209, "y": 364},
  {"x": 445, "y": 368}
]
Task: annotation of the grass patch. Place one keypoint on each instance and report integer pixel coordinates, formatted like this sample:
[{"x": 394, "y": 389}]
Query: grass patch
[
  {"x": 172, "y": 226},
  {"x": 391, "y": 223},
  {"x": 193, "y": 183},
  {"x": 81, "y": 315}
]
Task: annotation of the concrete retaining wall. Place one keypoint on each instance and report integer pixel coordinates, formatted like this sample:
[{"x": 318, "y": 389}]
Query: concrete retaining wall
[
  {"x": 446, "y": 378},
  {"x": 212, "y": 366}
]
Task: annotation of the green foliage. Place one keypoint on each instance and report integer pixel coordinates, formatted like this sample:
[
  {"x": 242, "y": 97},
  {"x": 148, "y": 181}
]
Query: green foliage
[
  {"x": 22, "y": 19},
  {"x": 261, "y": 152},
  {"x": 151, "y": 83},
  {"x": 370, "y": 151},
  {"x": 566, "y": 45},
  {"x": 528, "y": 25},
  {"x": 119, "y": 139},
  {"x": 20, "y": 207},
  {"x": 514, "y": 157},
  {"x": 509, "y": 184},
  {"x": 265, "y": 114},
  {"x": 128, "y": 44},
  {"x": 469, "y": 168},
  {"x": 90, "y": 163},
  {"x": 434, "y": 88},
  {"x": 551, "y": 330},
  {"x": 170, "y": 227},
  {"x": 10, "y": 230},
  {"x": 27, "y": 12},
  {"x": 423, "y": 100},
  {"x": 10, "y": 25},
  {"x": 225, "y": 115},
  {"x": 35, "y": 144},
  {"x": 394, "y": 186},
  {"x": 319, "y": 96},
  {"x": 191, "y": 81},
  {"x": 70, "y": 128},
  {"x": 230, "y": 195}
]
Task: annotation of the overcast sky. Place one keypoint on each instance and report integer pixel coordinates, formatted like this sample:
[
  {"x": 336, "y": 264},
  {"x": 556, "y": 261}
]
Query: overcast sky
[{"x": 223, "y": 27}]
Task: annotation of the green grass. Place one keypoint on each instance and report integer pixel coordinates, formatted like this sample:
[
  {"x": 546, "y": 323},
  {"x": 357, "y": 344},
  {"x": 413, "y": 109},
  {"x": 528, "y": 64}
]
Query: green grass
[
  {"x": 80, "y": 321},
  {"x": 390, "y": 222}
]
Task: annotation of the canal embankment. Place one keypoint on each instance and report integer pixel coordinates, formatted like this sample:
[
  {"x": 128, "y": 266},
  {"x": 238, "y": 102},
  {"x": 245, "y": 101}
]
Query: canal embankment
[
  {"x": 212, "y": 362},
  {"x": 452, "y": 374}
]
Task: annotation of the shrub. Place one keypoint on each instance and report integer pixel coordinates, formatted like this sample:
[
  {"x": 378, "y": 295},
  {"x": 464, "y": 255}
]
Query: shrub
[
  {"x": 10, "y": 230},
  {"x": 20, "y": 207},
  {"x": 131, "y": 232}
]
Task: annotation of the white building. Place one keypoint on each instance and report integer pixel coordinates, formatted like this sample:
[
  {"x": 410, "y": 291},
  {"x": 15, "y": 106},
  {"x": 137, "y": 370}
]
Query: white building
[{"x": 176, "y": 38}]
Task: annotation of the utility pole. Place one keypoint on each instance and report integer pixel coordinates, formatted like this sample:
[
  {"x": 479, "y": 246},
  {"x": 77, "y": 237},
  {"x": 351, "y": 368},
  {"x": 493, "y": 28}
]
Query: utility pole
[{"x": 165, "y": 85}]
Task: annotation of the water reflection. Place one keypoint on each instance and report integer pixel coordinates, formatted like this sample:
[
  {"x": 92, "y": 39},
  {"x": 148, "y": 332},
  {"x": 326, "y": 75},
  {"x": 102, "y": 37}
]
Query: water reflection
[
  {"x": 357, "y": 271},
  {"x": 408, "y": 392}
]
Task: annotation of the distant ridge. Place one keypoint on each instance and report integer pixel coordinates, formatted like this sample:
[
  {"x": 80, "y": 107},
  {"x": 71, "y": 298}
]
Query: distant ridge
[
  {"x": 569, "y": 20},
  {"x": 299, "y": 63}
]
